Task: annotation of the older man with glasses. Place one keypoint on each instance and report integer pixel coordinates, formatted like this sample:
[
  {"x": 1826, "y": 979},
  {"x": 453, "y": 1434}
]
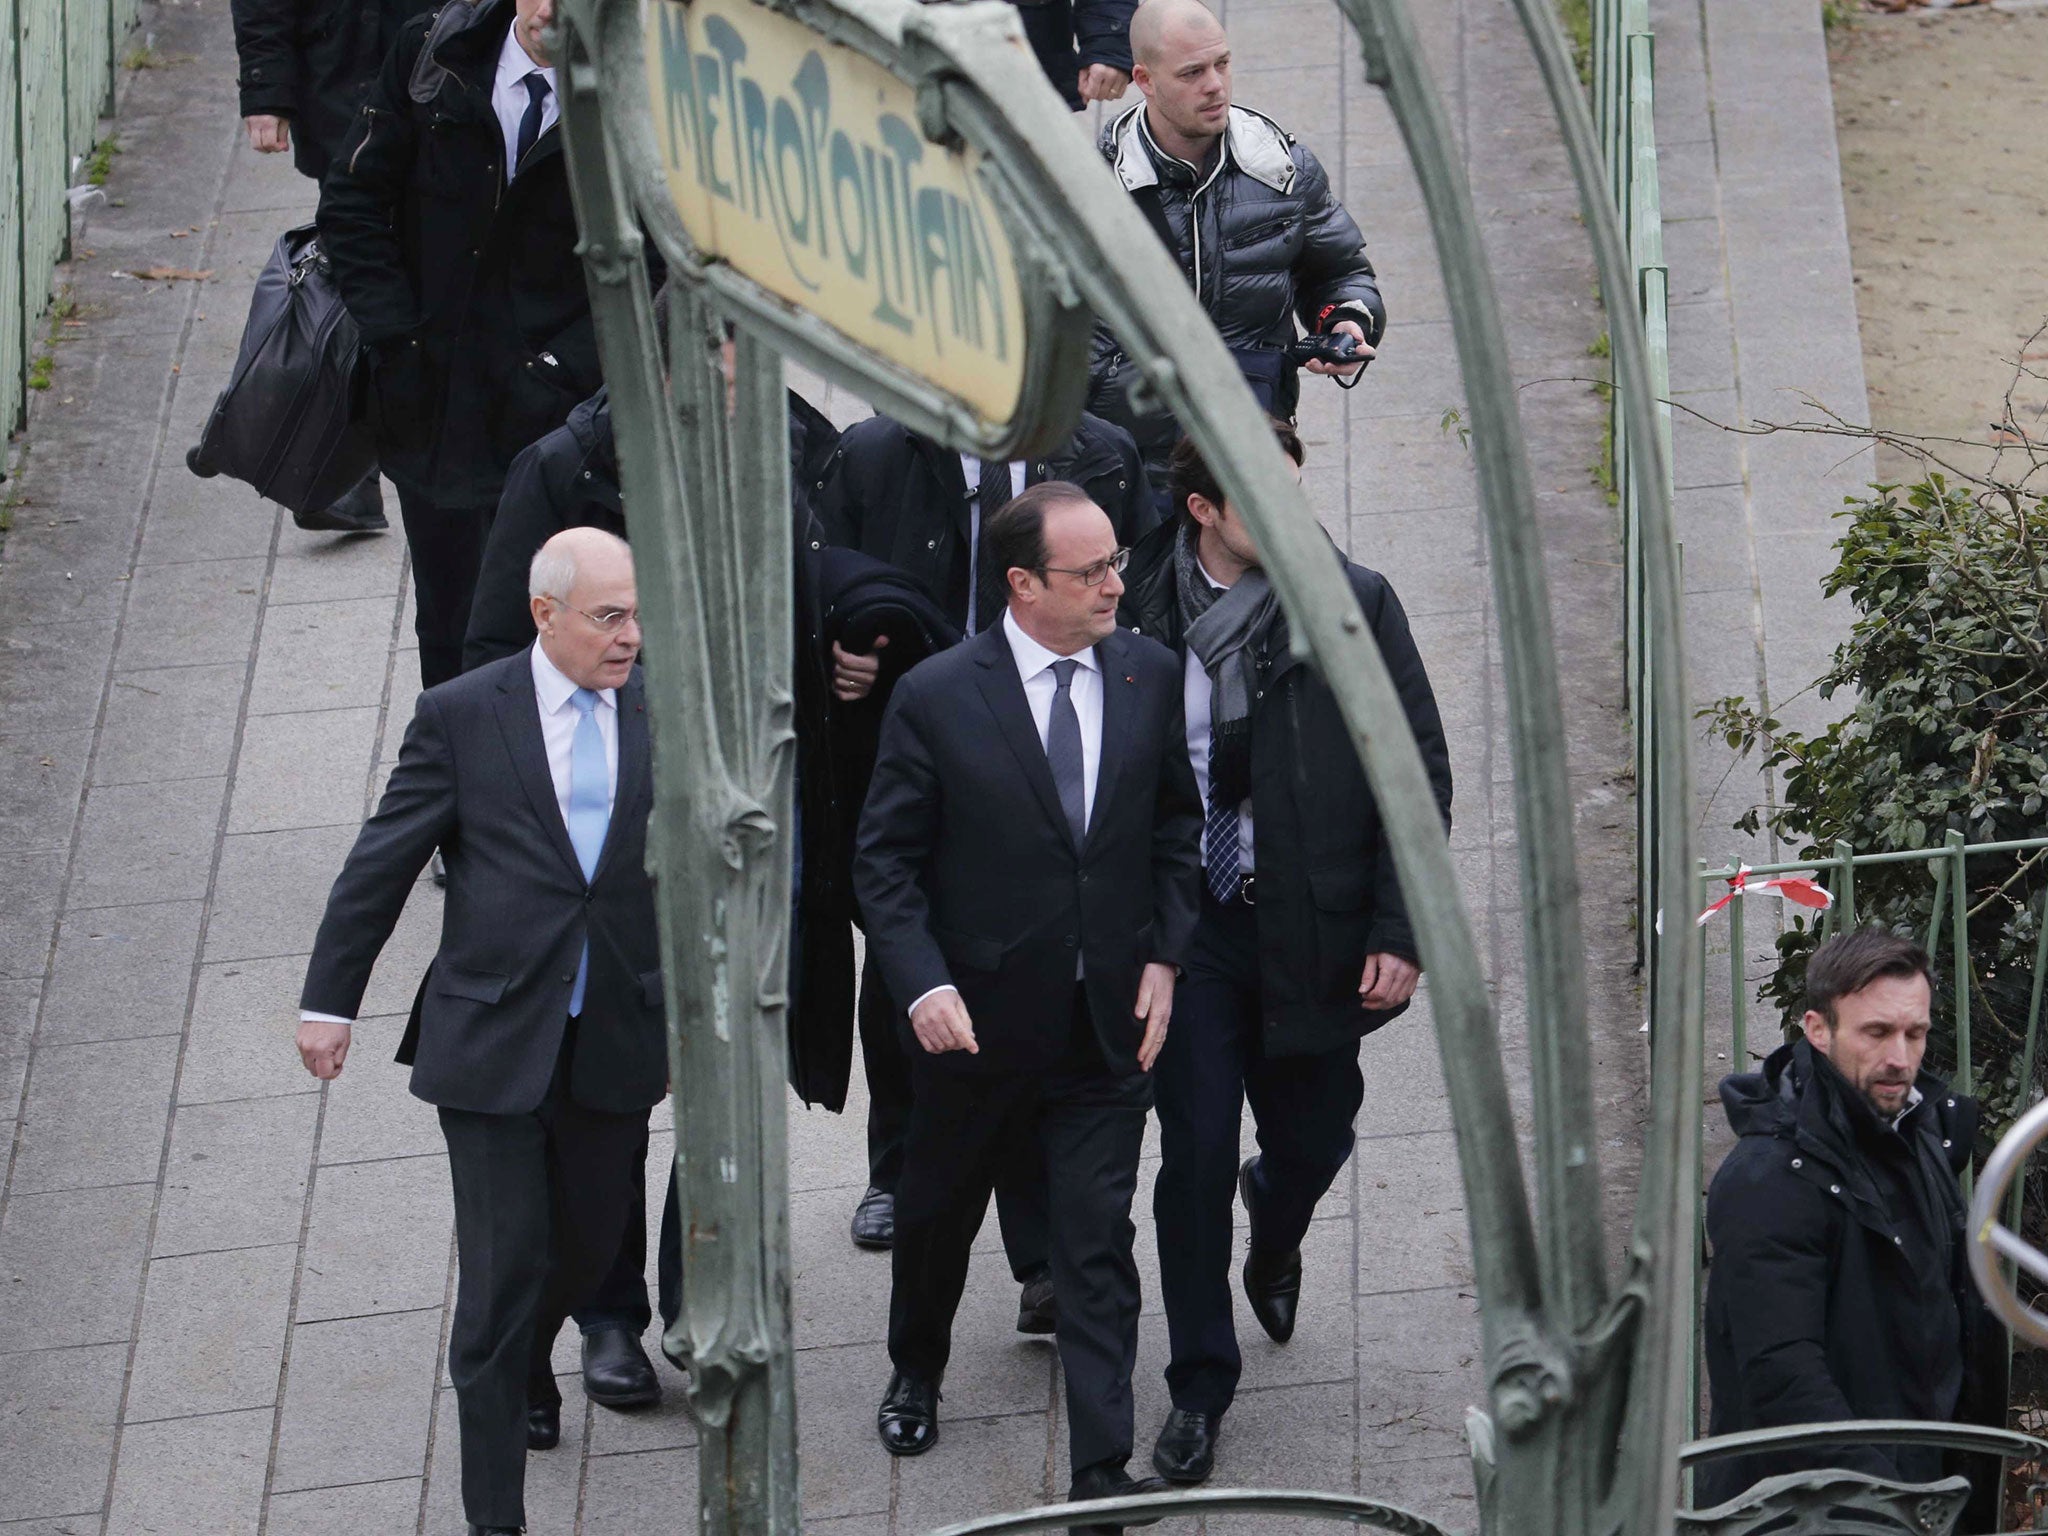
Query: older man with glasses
[
  {"x": 1028, "y": 868},
  {"x": 538, "y": 1030}
]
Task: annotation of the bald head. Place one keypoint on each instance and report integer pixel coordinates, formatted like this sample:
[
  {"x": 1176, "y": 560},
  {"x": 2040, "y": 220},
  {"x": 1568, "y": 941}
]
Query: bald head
[
  {"x": 1160, "y": 24},
  {"x": 1181, "y": 61},
  {"x": 586, "y": 607}
]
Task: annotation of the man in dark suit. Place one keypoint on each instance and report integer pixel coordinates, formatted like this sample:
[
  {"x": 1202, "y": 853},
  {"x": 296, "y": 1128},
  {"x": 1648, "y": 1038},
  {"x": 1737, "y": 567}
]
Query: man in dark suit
[
  {"x": 537, "y": 1031},
  {"x": 1047, "y": 750},
  {"x": 909, "y": 500},
  {"x": 447, "y": 220},
  {"x": 1304, "y": 946}
]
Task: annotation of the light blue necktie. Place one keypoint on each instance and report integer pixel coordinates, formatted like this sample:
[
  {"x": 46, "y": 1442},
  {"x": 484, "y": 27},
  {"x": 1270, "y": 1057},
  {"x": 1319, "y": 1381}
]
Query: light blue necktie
[{"x": 590, "y": 810}]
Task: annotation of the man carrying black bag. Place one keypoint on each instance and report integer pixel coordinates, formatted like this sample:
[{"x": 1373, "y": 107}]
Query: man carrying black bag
[
  {"x": 452, "y": 238},
  {"x": 304, "y": 67}
]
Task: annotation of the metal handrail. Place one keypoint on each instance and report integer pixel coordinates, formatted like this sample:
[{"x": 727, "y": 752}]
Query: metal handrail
[
  {"x": 1991, "y": 1240},
  {"x": 1348, "y": 1507},
  {"x": 1982, "y": 1439}
]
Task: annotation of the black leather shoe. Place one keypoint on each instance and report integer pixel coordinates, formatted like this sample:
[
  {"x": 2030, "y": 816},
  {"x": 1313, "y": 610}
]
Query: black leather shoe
[
  {"x": 1038, "y": 1309},
  {"x": 543, "y": 1426},
  {"x": 616, "y": 1370},
  {"x": 1186, "y": 1449},
  {"x": 1272, "y": 1281},
  {"x": 497, "y": 1530},
  {"x": 360, "y": 509},
  {"x": 908, "y": 1420},
  {"x": 1112, "y": 1483},
  {"x": 874, "y": 1220}
]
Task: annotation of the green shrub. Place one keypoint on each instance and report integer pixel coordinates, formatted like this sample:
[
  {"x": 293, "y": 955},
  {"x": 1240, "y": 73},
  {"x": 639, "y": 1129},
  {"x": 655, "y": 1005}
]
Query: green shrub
[{"x": 1948, "y": 661}]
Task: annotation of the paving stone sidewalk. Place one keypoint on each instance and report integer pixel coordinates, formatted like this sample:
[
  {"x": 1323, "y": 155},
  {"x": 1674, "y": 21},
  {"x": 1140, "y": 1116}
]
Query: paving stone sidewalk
[{"x": 224, "y": 1289}]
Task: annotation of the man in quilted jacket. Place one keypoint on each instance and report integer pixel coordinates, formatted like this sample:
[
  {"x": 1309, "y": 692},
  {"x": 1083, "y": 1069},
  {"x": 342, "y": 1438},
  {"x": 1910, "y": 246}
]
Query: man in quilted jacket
[{"x": 1248, "y": 214}]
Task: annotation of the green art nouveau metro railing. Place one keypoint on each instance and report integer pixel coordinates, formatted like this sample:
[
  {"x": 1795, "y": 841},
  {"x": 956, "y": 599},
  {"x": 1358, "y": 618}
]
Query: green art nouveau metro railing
[
  {"x": 57, "y": 64},
  {"x": 1585, "y": 1363},
  {"x": 1623, "y": 91}
]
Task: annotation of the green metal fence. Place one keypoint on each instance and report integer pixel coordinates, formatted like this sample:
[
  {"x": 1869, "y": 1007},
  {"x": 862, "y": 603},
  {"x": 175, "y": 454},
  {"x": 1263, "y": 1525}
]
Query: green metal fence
[
  {"x": 57, "y": 65},
  {"x": 1623, "y": 95},
  {"x": 1947, "y": 938}
]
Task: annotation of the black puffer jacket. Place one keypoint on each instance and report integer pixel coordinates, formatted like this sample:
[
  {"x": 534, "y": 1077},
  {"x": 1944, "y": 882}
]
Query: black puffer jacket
[
  {"x": 1327, "y": 892},
  {"x": 311, "y": 61},
  {"x": 1262, "y": 239},
  {"x": 1838, "y": 1287},
  {"x": 902, "y": 499},
  {"x": 468, "y": 291}
]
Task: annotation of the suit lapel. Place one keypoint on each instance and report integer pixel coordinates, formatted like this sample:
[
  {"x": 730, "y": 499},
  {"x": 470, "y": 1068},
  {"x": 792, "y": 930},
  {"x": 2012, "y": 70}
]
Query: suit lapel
[
  {"x": 634, "y": 767},
  {"x": 519, "y": 723},
  {"x": 1119, "y": 703},
  {"x": 1003, "y": 690}
]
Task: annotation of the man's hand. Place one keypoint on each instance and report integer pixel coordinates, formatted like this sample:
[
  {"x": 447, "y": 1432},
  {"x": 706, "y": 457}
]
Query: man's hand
[
  {"x": 1103, "y": 82},
  {"x": 941, "y": 1024},
  {"x": 1345, "y": 370},
  {"x": 1155, "y": 1007},
  {"x": 323, "y": 1047},
  {"x": 853, "y": 676},
  {"x": 1388, "y": 982},
  {"x": 269, "y": 135}
]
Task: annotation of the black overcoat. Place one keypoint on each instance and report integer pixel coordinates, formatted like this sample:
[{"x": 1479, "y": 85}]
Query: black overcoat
[
  {"x": 311, "y": 61},
  {"x": 901, "y": 498},
  {"x": 1327, "y": 892},
  {"x": 466, "y": 287},
  {"x": 1838, "y": 1286}
]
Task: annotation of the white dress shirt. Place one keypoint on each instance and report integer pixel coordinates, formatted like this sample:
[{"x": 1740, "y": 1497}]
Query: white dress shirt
[
  {"x": 558, "y": 717},
  {"x": 1034, "y": 667},
  {"x": 1195, "y": 691},
  {"x": 970, "y": 467},
  {"x": 509, "y": 98}
]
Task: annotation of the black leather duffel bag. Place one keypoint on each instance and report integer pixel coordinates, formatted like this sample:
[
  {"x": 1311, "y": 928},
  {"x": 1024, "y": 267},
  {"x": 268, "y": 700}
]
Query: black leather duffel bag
[{"x": 289, "y": 422}]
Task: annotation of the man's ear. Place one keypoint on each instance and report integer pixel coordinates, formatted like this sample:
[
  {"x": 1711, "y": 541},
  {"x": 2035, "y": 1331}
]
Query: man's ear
[
  {"x": 1818, "y": 1034},
  {"x": 1018, "y": 581},
  {"x": 543, "y": 609},
  {"x": 1203, "y": 510}
]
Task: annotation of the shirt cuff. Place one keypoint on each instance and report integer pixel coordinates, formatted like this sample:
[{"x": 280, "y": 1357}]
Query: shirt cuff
[
  {"x": 308, "y": 1016},
  {"x": 935, "y": 991}
]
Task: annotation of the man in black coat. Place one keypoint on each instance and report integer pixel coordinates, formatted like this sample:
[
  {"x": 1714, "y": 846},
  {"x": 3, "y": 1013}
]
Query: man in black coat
[
  {"x": 538, "y": 1029},
  {"x": 1084, "y": 46},
  {"x": 1047, "y": 748},
  {"x": 902, "y": 498},
  {"x": 1303, "y": 947},
  {"x": 453, "y": 242},
  {"x": 305, "y": 65},
  {"x": 1245, "y": 210},
  {"x": 1839, "y": 1287}
]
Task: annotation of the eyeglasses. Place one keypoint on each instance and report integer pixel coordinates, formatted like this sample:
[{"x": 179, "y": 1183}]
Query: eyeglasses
[
  {"x": 1092, "y": 575},
  {"x": 611, "y": 621}
]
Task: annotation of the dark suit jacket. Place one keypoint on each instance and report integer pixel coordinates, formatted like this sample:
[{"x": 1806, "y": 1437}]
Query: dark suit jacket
[
  {"x": 967, "y": 873},
  {"x": 472, "y": 779}
]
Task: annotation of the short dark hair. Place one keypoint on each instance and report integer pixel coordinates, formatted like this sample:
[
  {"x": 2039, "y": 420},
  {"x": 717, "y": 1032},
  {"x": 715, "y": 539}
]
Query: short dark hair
[
  {"x": 1016, "y": 534},
  {"x": 1851, "y": 961},
  {"x": 1188, "y": 474}
]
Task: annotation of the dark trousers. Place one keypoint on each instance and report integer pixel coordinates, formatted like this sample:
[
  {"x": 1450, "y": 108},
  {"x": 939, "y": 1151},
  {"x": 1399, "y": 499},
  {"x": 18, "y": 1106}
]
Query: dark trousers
[
  {"x": 1088, "y": 1127},
  {"x": 620, "y": 1300},
  {"x": 1021, "y": 1196},
  {"x": 1303, "y": 1107},
  {"x": 447, "y": 547},
  {"x": 540, "y": 1200}
]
